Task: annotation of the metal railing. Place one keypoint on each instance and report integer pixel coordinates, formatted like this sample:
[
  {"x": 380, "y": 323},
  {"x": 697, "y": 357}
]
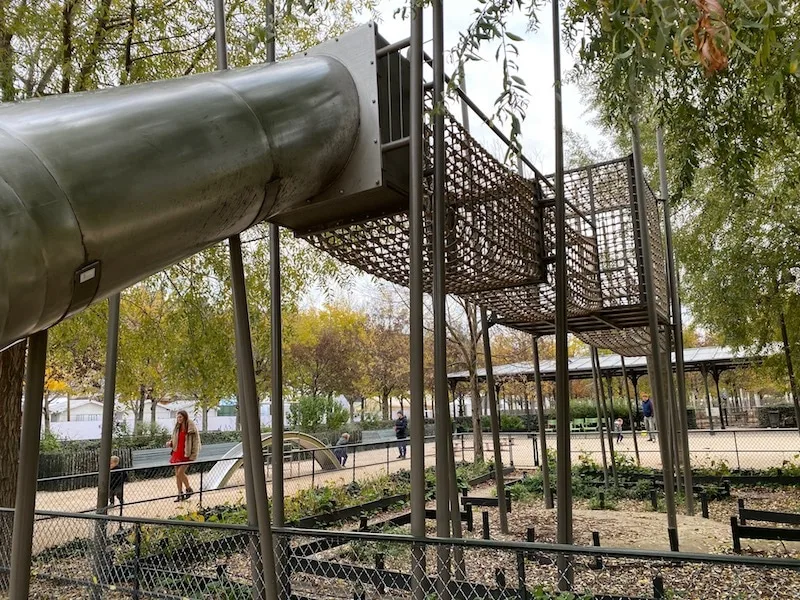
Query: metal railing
[{"x": 106, "y": 556}]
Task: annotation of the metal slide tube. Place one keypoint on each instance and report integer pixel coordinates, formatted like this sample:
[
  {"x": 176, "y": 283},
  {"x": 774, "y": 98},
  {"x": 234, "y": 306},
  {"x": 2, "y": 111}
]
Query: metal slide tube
[
  {"x": 563, "y": 454},
  {"x": 416, "y": 349},
  {"x": 677, "y": 323},
  {"x": 537, "y": 375},
  {"x": 200, "y": 158},
  {"x": 439, "y": 300},
  {"x": 25, "y": 504},
  {"x": 494, "y": 419},
  {"x": 657, "y": 381}
]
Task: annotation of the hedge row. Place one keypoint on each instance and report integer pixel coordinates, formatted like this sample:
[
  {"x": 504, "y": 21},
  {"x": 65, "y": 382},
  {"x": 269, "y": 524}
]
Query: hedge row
[{"x": 786, "y": 416}]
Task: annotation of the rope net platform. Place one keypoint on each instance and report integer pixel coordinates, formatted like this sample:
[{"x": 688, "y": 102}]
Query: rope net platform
[
  {"x": 493, "y": 229},
  {"x": 617, "y": 319}
]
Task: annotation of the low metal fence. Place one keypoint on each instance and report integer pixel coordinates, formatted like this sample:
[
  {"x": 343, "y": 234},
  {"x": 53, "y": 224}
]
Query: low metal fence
[{"x": 77, "y": 556}]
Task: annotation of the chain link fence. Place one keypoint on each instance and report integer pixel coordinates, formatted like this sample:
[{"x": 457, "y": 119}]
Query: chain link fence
[
  {"x": 83, "y": 556},
  {"x": 152, "y": 491}
]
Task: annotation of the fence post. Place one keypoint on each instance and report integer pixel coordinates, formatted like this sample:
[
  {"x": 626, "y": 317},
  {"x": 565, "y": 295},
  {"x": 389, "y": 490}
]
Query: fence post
[
  {"x": 535, "y": 451},
  {"x": 380, "y": 565},
  {"x": 355, "y": 450},
  {"x": 314, "y": 466},
  {"x": 704, "y": 503},
  {"x": 530, "y": 536},
  {"x": 737, "y": 542},
  {"x": 363, "y": 523},
  {"x": 598, "y": 560},
  {"x": 510, "y": 452},
  {"x": 741, "y": 511},
  {"x": 602, "y": 496},
  {"x": 137, "y": 556},
  {"x": 201, "y": 489},
  {"x": 736, "y": 447},
  {"x": 508, "y": 500},
  {"x": 387, "y": 458},
  {"x": 658, "y": 588},
  {"x": 463, "y": 459},
  {"x": 470, "y": 518},
  {"x": 654, "y": 500},
  {"x": 523, "y": 588},
  {"x": 485, "y": 516}
]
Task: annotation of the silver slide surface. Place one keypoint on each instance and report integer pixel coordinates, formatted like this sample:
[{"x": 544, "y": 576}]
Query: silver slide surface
[{"x": 99, "y": 190}]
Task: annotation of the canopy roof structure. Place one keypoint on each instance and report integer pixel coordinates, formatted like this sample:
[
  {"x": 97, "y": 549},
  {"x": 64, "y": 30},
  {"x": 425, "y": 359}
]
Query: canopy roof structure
[{"x": 712, "y": 358}]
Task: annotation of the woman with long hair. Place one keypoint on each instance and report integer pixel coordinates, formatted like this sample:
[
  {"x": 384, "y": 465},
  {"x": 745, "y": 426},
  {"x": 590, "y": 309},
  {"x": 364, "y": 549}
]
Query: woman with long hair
[{"x": 185, "y": 444}]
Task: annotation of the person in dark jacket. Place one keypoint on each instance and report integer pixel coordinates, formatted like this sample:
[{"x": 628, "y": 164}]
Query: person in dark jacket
[
  {"x": 116, "y": 482},
  {"x": 340, "y": 451},
  {"x": 401, "y": 431},
  {"x": 649, "y": 417}
]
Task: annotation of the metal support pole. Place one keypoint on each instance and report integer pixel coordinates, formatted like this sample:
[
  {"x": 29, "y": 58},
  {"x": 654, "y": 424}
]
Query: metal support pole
[
  {"x": 608, "y": 414},
  {"x": 416, "y": 349},
  {"x": 563, "y": 457},
  {"x": 597, "y": 391},
  {"x": 673, "y": 413},
  {"x": 109, "y": 397},
  {"x": 704, "y": 373},
  {"x": 715, "y": 374},
  {"x": 677, "y": 324},
  {"x": 630, "y": 412},
  {"x": 439, "y": 303},
  {"x": 787, "y": 352},
  {"x": 537, "y": 374},
  {"x": 25, "y": 504},
  {"x": 652, "y": 314},
  {"x": 502, "y": 509},
  {"x": 248, "y": 398}
]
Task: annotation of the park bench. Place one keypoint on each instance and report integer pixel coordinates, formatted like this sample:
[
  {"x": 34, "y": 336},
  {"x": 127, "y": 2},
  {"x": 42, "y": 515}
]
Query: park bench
[
  {"x": 740, "y": 529},
  {"x": 378, "y": 435}
]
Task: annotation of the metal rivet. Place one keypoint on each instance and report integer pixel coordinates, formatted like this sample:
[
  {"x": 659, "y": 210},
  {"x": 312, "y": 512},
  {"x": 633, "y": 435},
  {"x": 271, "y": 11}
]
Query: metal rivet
[
  {"x": 375, "y": 141},
  {"x": 372, "y": 62},
  {"x": 374, "y": 101},
  {"x": 377, "y": 182}
]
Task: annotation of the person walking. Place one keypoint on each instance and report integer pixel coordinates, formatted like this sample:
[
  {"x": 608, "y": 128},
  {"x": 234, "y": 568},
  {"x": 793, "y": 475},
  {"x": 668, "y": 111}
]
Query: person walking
[
  {"x": 340, "y": 451},
  {"x": 618, "y": 428},
  {"x": 649, "y": 418},
  {"x": 116, "y": 483},
  {"x": 401, "y": 432},
  {"x": 185, "y": 444}
]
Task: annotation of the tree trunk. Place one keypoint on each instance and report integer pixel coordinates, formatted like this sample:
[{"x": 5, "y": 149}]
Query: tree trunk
[
  {"x": 385, "y": 405},
  {"x": 12, "y": 374},
  {"x": 787, "y": 350},
  {"x": 477, "y": 432},
  {"x": 205, "y": 418},
  {"x": 90, "y": 64},
  {"x": 66, "y": 45},
  {"x": 153, "y": 407},
  {"x": 140, "y": 405},
  {"x": 238, "y": 419},
  {"x": 69, "y": 407},
  {"x": 352, "y": 403}
]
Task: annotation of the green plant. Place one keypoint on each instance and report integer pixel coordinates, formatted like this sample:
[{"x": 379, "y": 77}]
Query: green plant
[
  {"x": 50, "y": 442},
  {"x": 310, "y": 413}
]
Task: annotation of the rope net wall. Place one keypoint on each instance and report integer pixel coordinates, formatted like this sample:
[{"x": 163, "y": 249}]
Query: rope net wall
[
  {"x": 493, "y": 225},
  {"x": 606, "y": 194},
  {"x": 530, "y": 304}
]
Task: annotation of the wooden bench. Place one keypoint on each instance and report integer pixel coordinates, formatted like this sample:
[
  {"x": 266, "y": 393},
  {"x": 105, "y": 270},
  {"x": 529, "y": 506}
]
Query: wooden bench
[{"x": 741, "y": 530}]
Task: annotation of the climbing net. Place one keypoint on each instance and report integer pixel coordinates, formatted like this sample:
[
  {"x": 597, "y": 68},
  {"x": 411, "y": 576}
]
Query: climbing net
[{"x": 493, "y": 225}]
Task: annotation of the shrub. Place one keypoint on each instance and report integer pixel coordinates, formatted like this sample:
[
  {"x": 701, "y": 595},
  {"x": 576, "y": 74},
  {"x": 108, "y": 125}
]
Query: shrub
[{"x": 311, "y": 413}]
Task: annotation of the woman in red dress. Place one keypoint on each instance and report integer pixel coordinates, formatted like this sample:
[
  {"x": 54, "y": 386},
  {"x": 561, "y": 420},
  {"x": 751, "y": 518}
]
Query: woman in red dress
[{"x": 185, "y": 444}]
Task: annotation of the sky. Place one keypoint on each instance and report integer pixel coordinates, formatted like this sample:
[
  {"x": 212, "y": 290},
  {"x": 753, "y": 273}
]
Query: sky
[{"x": 484, "y": 79}]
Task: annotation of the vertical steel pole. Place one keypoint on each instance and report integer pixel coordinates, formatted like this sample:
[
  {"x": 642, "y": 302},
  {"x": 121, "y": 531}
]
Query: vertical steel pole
[
  {"x": 276, "y": 330},
  {"x": 416, "y": 349},
  {"x": 652, "y": 315},
  {"x": 101, "y": 557},
  {"x": 502, "y": 509},
  {"x": 439, "y": 301},
  {"x": 630, "y": 411},
  {"x": 677, "y": 323},
  {"x": 704, "y": 372},
  {"x": 674, "y": 426},
  {"x": 248, "y": 397},
  {"x": 715, "y": 374},
  {"x": 25, "y": 504},
  {"x": 537, "y": 374},
  {"x": 109, "y": 396},
  {"x": 787, "y": 352},
  {"x": 564, "y": 462},
  {"x": 598, "y": 385}
]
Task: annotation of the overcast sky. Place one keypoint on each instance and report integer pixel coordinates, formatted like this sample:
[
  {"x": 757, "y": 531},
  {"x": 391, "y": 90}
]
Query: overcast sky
[{"x": 484, "y": 79}]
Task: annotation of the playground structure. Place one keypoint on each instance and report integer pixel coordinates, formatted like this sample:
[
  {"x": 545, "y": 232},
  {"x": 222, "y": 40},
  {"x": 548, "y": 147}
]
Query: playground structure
[
  {"x": 332, "y": 145},
  {"x": 232, "y": 461}
]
